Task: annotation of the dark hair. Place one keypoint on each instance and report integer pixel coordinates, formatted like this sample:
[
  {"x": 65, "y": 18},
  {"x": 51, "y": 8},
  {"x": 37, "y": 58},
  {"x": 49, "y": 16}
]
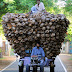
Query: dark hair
[
  {"x": 38, "y": 43},
  {"x": 37, "y": 0}
]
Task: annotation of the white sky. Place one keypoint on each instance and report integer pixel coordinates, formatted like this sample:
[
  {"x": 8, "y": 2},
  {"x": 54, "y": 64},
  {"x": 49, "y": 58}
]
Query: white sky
[{"x": 61, "y": 3}]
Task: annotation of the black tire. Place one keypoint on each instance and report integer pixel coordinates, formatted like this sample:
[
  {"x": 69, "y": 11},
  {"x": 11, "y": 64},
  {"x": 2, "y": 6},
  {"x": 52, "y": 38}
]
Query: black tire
[
  {"x": 51, "y": 67},
  {"x": 41, "y": 68},
  {"x": 27, "y": 68},
  {"x": 35, "y": 69},
  {"x": 21, "y": 68}
]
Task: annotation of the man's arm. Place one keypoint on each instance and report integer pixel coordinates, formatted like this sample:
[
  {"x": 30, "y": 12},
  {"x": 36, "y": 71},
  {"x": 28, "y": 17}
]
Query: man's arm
[
  {"x": 43, "y": 8},
  {"x": 32, "y": 52},
  {"x": 43, "y": 54}
]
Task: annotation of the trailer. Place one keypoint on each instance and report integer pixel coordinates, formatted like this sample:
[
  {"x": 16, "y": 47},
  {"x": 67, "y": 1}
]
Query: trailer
[{"x": 34, "y": 63}]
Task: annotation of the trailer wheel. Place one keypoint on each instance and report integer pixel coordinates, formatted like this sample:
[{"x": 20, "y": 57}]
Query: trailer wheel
[
  {"x": 21, "y": 68},
  {"x": 41, "y": 68},
  {"x": 52, "y": 67},
  {"x": 34, "y": 68},
  {"x": 27, "y": 68}
]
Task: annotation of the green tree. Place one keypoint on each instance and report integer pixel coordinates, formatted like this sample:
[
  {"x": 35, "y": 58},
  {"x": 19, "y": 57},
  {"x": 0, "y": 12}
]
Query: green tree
[{"x": 24, "y": 6}]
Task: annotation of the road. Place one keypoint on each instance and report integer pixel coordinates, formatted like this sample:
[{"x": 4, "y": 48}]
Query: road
[{"x": 59, "y": 67}]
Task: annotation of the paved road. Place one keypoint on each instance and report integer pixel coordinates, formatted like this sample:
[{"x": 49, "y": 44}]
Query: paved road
[{"x": 58, "y": 68}]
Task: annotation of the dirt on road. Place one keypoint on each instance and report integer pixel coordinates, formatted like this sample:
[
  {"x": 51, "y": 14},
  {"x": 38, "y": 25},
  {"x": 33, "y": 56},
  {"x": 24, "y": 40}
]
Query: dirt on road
[
  {"x": 67, "y": 61},
  {"x": 6, "y": 60}
]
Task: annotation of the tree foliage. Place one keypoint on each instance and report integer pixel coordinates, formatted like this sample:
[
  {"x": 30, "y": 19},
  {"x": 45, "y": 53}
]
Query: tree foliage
[
  {"x": 68, "y": 7},
  {"x": 24, "y": 6}
]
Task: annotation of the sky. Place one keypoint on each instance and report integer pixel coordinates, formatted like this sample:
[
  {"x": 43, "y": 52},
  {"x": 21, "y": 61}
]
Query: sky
[{"x": 61, "y": 3}]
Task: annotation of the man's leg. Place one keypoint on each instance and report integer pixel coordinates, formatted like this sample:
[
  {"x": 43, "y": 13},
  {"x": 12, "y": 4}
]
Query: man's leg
[
  {"x": 33, "y": 9},
  {"x": 41, "y": 61},
  {"x": 46, "y": 61}
]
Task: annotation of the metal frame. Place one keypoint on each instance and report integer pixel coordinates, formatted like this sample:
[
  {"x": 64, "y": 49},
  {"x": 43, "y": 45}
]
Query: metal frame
[{"x": 36, "y": 65}]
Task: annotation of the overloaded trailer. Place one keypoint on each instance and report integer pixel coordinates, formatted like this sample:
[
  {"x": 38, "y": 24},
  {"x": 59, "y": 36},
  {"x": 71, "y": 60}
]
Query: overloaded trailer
[{"x": 23, "y": 30}]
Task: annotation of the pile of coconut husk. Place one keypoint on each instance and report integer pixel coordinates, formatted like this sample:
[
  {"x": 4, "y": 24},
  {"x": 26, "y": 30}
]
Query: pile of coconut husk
[{"x": 23, "y": 30}]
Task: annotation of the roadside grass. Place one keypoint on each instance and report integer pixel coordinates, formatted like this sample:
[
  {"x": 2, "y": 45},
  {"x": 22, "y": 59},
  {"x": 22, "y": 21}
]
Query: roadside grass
[
  {"x": 70, "y": 59},
  {"x": 2, "y": 58}
]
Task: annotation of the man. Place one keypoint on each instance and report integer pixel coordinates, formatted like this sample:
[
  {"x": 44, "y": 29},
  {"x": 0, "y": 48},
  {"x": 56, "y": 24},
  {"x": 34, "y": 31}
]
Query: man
[
  {"x": 39, "y": 51},
  {"x": 38, "y": 7}
]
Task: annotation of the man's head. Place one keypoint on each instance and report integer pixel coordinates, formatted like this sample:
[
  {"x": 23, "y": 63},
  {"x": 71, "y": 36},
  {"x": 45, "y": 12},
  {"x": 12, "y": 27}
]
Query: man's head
[
  {"x": 38, "y": 44},
  {"x": 38, "y": 1}
]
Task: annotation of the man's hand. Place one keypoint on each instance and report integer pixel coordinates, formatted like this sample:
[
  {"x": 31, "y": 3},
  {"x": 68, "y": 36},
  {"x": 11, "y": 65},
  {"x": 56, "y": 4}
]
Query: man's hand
[
  {"x": 34, "y": 56},
  {"x": 44, "y": 11},
  {"x": 17, "y": 56},
  {"x": 29, "y": 12},
  {"x": 44, "y": 58}
]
